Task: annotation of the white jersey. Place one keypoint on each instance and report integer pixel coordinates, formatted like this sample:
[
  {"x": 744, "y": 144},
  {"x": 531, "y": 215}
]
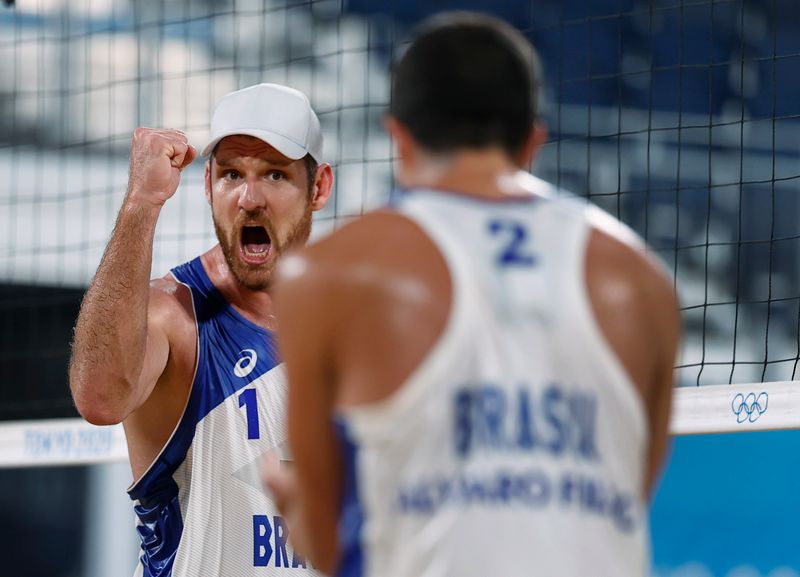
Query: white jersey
[
  {"x": 201, "y": 510},
  {"x": 518, "y": 445}
]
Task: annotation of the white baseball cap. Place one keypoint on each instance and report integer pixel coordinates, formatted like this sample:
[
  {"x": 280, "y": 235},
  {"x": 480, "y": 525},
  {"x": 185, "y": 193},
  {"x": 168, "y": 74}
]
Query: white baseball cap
[{"x": 280, "y": 116}]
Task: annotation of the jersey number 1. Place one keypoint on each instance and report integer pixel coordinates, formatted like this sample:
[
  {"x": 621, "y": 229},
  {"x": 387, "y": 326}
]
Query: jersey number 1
[{"x": 247, "y": 399}]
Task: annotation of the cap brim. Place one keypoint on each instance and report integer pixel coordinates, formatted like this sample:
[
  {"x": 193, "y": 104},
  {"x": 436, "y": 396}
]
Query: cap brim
[{"x": 285, "y": 146}]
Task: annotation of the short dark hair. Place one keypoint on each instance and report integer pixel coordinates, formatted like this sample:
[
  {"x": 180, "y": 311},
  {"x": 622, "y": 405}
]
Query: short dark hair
[{"x": 467, "y": 81}]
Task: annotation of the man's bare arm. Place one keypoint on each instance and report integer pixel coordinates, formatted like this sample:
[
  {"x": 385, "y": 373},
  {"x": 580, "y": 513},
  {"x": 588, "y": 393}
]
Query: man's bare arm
[
  {"x": 306, "y": 322},
  {"x": 637, "y": 310},
  {"x": 120, "y": 346},
  {"x": 666, "y": 322},
  {"x": 356, "y": 317}
]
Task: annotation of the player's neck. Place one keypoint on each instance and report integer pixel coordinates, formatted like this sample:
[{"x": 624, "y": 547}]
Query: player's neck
[
  {"x": 481, "y": 173},
  {"x": 254, "y": 305}
]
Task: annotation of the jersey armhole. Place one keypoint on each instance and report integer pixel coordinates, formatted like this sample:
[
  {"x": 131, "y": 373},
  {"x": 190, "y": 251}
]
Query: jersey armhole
[{"x": 135, "y": 484}]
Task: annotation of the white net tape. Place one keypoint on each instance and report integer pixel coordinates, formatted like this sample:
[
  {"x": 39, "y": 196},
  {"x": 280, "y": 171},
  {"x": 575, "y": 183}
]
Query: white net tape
[{"x": 696, "y": 410}]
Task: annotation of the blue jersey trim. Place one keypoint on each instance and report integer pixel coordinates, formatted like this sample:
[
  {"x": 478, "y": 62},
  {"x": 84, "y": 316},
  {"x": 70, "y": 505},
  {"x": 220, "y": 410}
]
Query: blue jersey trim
[
  {"x": 351, "y": 516},
  {"x": 160, "y": 528},
  {"x": 194, "y": 274}
]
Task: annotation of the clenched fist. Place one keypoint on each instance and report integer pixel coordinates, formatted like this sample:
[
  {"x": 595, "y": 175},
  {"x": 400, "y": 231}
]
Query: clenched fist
[{"x": 157, "y": 159}]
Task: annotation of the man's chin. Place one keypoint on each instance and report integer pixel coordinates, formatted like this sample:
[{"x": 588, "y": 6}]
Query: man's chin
[
  {"x": 248, "y": 275},
  {"x": 253, "y": 280}
]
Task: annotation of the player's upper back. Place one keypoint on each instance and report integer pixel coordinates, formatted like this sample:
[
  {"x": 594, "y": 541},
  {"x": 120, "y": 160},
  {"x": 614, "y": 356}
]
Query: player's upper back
[
  {"x": 521, "y": 263},
  {"x": 487, "y": 422}
]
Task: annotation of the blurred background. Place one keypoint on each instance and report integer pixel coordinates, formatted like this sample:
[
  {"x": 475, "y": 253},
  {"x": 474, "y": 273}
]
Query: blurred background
[{"x": 678, "y": 116}]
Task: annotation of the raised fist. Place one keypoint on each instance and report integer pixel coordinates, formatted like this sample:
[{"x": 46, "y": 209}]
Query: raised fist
[{"x": 157, "y": 159}]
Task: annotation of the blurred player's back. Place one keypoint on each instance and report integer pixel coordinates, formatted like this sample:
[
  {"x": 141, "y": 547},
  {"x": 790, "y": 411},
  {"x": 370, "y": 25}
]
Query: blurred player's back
[{"x": 519, "y": 442}]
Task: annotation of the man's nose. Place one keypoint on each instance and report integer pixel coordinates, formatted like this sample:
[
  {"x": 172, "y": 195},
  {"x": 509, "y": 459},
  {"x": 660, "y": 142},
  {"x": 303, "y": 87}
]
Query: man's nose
[{"x": 251, "y": 198}]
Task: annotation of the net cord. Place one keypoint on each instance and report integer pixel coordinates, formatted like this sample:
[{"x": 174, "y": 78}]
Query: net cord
[{"x": 696, "y": 410}]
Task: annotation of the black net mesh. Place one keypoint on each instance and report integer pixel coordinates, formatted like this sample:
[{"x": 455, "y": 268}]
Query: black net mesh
[{"x": 680, "y": 117}]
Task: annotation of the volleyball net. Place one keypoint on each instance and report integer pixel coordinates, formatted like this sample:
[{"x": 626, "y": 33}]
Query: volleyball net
[{"x": 679, "y": 117}]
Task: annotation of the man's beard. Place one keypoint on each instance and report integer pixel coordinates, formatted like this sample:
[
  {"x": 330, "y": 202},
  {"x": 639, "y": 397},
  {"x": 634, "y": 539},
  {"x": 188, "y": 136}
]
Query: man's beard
[{"x": 259, "y": 277}]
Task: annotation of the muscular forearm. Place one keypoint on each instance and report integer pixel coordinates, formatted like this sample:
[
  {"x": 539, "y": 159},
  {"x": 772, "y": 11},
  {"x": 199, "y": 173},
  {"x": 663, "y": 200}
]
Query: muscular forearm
[
  {"x": 112, "y": 370},
  {"x": 111, "y": 332}
]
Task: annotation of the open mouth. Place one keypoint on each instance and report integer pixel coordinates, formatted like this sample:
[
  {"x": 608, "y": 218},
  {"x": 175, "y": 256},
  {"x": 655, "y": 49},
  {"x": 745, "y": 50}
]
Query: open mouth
[{"x": 256, "y": 243}]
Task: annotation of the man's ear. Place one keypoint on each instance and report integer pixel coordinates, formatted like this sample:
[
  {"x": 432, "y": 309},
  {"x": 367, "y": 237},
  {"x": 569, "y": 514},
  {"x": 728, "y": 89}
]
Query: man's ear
[
  {"x": 536, "y": 138},
  {"x": 401, "y": 137},
  {"x": 405, "y": 149},
  {"x": 208, "y": 181},
  {"x": 323, "y": 186}
]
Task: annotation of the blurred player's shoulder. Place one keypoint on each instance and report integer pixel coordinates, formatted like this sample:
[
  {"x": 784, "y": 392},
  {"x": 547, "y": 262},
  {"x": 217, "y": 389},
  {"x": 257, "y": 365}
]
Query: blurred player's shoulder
[
  {"x": 382, "y": 262},
  {"x": 380, "y": 242}
]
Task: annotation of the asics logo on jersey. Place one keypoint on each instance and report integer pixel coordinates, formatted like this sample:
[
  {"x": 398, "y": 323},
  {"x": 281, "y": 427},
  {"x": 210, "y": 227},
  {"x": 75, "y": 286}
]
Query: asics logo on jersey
[
  {"x": 749, "y": 408},
  {"x": 245, "y": 365}
]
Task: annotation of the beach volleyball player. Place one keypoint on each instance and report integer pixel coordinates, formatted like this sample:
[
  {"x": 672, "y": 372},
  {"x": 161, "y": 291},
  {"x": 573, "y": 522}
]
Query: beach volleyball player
[{"x": 188, "y": 362}]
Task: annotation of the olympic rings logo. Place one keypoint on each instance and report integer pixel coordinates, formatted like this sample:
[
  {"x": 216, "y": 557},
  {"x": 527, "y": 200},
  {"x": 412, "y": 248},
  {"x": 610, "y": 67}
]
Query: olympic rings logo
[{"x": 749, "y": 408}]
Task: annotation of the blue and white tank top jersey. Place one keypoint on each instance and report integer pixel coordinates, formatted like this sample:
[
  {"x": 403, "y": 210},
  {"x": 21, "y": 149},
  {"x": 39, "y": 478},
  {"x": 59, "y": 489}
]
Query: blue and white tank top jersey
[
  {"x": 517, "y": 447},
  {"x": 201, "y": 510}
]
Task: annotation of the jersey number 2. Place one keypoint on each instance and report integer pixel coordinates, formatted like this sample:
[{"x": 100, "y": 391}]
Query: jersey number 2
[
  {"x": 515, "y": 251},
  {"x": 247, "y": 399}
]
